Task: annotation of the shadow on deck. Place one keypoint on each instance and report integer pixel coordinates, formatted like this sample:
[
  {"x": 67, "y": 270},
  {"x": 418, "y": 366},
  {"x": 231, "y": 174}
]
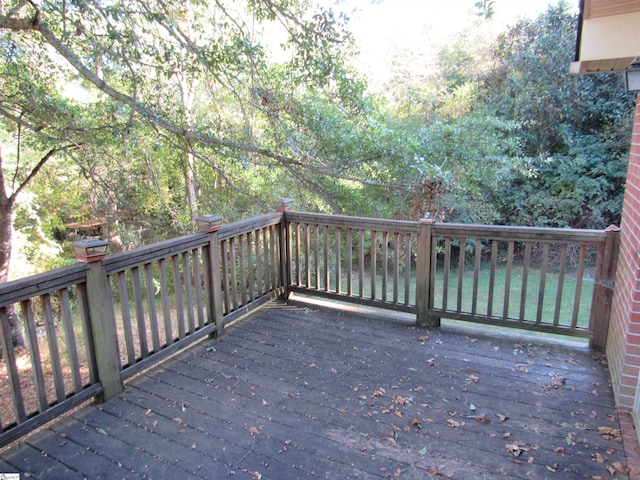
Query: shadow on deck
[{"x": 297, "y": 391}]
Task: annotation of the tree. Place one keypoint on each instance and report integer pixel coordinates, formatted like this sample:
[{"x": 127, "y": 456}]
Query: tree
[
  {"x": 195, "y": 74},
  {"x": 574, "y": 129}
]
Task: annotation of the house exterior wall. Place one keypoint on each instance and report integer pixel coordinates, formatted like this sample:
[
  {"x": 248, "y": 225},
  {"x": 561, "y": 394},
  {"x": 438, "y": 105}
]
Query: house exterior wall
[{"x": 623, "y": 344}]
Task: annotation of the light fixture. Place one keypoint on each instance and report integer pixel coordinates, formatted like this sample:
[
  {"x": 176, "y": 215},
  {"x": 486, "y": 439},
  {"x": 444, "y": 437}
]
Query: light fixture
[
  {"x": 90, "y": 250},
  {"x": 632, "y": 78},
  {"x": 283, "y": 204},
  {"x": 209, "y": 223}
]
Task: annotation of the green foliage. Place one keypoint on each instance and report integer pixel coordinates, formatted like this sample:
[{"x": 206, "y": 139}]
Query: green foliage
[
  {"x": 575, "y": 129},
  {"x": 484, "y": 9},
  {"x": 158, "y": 111},
  {"x": 579, "y": 190},
  {"x": 530, "y": 84}
]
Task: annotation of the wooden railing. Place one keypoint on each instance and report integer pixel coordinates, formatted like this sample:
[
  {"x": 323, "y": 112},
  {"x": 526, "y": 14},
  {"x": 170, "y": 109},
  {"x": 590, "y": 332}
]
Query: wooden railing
[
  {"x": 362, "y": 260},
  {"x": 546, "y": 279},
  {"x": 91, "y": 326}
]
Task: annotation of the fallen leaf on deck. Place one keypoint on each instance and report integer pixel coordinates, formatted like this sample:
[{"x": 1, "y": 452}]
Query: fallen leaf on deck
[
  {"x": 514, "y": 448},
  {"x": 379, "y": 393},
  {"x": 610, "y": 433},
  {"x": 254, "y": 430},
  {"x": 453, "y": 424},
  {"x": 517, "y": 447},
  {"x": 102, "y": 431},
  {"x": 620, "y": 468},
  {"x": 423, "y": 451},
  {"x": 438, "y": 472},
  {"x": 597, "y": 457},
  {"x": 402, "y": 400}
]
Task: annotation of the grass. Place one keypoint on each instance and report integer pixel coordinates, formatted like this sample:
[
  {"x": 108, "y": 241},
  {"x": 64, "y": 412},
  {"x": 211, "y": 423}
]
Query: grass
[{"x": 532, "y": 309}]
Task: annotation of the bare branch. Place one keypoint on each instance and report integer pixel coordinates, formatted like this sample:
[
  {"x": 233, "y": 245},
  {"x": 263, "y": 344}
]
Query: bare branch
[{"x": 41, "y": 163}]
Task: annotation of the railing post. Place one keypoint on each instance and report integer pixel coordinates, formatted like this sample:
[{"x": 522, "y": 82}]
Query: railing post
[
  {"x": 101, "y": 317},
  {"x": 284, "y": 205},
  {"x": 423, "y": 276},
  {"x": 604, "y": 287},
  {"x": 211, "y": 224}
]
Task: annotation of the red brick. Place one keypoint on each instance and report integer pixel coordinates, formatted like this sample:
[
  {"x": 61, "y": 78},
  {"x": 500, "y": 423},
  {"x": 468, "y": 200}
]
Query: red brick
[{"x": 623, "y": 346}]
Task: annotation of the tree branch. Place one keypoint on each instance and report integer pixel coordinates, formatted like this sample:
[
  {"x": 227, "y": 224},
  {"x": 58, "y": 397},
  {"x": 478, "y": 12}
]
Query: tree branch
[
  {"x": 151, "y": 115},
  {"x": 34, "y": 171},
  {"x": 19, "y": 24}
]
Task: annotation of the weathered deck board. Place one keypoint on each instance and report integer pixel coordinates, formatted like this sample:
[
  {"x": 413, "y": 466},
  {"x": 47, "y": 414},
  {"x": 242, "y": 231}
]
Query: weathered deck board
[{"x": 299, "y": 391}]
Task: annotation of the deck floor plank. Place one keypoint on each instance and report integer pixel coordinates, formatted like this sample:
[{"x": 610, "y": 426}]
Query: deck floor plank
[{"x": 301, "y": 391}]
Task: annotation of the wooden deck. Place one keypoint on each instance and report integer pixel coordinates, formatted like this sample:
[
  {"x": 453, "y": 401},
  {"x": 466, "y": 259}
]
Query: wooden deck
[{"x": 300, "y": 391}]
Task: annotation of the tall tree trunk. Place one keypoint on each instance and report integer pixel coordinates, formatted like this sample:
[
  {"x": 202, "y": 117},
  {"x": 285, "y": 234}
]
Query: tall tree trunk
[
  {"x": 188, "y": 92},
  {"x": 190, "y": 185},
  {"x": 6, "y": 235}
]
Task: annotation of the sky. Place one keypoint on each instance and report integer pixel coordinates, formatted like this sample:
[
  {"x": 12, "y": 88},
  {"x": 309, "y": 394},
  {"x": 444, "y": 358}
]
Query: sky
[{"x": 384, "y": 27}]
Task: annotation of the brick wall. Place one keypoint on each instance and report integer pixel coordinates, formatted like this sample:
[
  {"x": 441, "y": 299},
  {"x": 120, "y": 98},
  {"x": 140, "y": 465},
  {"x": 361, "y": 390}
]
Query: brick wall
[{"x": 623, "y": 345}]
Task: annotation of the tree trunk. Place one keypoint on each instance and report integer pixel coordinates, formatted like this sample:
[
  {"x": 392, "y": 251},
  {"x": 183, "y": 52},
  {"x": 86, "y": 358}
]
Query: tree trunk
[
  {"x": 6, "y": 234},
  {"x": 190, "y": 185}
]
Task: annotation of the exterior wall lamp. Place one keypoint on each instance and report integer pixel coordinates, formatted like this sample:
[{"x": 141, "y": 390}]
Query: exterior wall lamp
[
  {"x": 632, "y": 78},
  {"x": 90, "y": 250}
]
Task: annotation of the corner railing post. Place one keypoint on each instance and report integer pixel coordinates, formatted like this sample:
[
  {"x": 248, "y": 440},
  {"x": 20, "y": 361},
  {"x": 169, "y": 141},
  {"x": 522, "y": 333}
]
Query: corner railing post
[
  {"x": 284, "y": 205},
  {"x": 604, "y": 287},
  {"x": 104, "y": 335},
  {"x": 423, "y": 275},
  {"x": 211, "y": 224}
]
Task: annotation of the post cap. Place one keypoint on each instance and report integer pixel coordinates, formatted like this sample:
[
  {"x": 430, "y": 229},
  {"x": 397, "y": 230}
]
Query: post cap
[
  {"x": 283, "y": 204},
  {"x": 90, "y": 250},
  {"x": 209, "y": 223}
]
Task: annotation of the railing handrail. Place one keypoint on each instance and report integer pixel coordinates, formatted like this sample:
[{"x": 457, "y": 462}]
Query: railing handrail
[
  {"x": 365, "y": 223},
  {"x": 242, "y": 227},
  {"x": 28, "y": 287},
  {"x": 118, "y": 262},
  {"x": 505, "y": 232}
]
